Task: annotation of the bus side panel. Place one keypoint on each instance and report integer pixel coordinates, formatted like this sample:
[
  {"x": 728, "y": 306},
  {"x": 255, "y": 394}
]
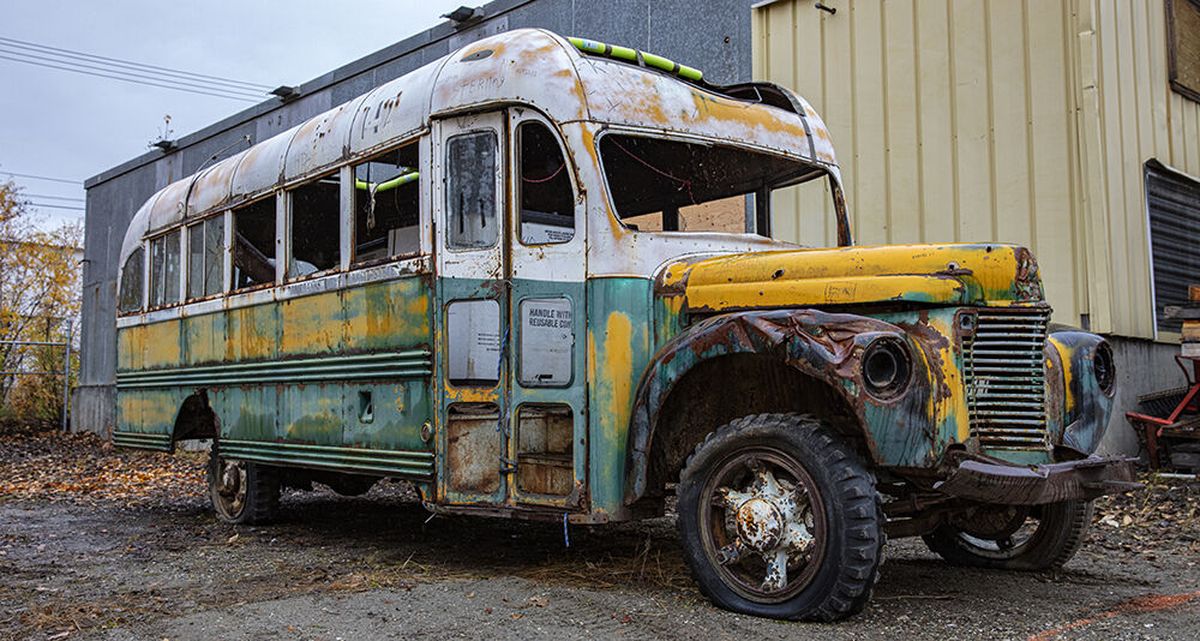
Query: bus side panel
[{"x": 619, "y": 348}]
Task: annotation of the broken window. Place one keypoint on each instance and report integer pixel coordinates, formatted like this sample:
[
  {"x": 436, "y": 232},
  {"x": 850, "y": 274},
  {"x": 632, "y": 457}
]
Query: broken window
[
  {"x": 545, "y": 458},
  {"x": 130, "y": 299},
  {"x": 471, "y": 190},
  {"x": 669, "y": 185},
  {"x": 547, "y": 200},
  {"x": 387, "y": 212},
  {"x": 164, "y": 269},
  {"x": 254, "y": 244},
  {"x": 315, "y": 227},
  {"x": 206, "y": 257}
]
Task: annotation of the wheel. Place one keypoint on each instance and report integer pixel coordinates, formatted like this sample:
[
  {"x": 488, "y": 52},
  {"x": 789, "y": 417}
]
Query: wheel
[
  {"x": 779, "y": 518},
  {"x": 242, "y": 492},
  {"x": 1014, "y": 537},
  {"x": 351, "y": 484}
]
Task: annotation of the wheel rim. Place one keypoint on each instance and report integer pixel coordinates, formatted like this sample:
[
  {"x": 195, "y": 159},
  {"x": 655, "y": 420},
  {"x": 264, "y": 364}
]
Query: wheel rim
[
  {"x": 763, "y": 524},
  {"x": 230, "y": 490},
  {"x": 1001, "y": 534}
]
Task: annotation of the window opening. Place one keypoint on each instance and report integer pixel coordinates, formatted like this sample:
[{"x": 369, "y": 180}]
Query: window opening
[
  {"x": 254, "y": 244},
  {"x": 547, "y": 200},
  {"x": 669, "y": 185},
  {"x": 545, "y": 452},
  {"x": 387, "y": 206},
  {"x": 315, "y": 227}
]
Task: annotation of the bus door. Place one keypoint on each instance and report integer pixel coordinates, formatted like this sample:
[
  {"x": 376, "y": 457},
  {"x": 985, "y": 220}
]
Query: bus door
[
  {"x": 472, "y": 322},
  {"x": 547, "y": 394},
  {"x": 510, "y": 245}
]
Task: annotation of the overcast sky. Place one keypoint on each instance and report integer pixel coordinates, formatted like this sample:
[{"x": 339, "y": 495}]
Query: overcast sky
[{"x": 62, "y": 124}]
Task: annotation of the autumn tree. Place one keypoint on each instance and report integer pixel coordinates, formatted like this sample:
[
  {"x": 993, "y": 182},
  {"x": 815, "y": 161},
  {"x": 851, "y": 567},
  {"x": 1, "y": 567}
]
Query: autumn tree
[{"x": 40, "y": 274}]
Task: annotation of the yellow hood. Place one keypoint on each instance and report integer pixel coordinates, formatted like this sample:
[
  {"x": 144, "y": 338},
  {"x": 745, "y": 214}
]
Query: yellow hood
[{"x": 955, "y": 274}]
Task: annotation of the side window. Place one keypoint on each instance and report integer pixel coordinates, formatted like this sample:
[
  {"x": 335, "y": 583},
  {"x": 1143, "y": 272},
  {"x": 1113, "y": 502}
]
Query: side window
[
  {"x": 315, "y": 227},
  {"x": 471, "y": 190},
  {"x": 547, "y": 201},
  {"x": 130, "y": 298},
  {"x": 164, "y": 269},
  {"x": 387, "y": 206},
  {"x": 206, "y": 257},
  {"x": 254, "y": 244}
]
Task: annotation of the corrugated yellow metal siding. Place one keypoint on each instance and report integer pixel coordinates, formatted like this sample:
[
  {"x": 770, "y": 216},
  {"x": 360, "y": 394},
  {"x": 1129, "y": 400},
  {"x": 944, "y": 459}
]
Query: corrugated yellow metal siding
[{"x": 1008, "y": 120}]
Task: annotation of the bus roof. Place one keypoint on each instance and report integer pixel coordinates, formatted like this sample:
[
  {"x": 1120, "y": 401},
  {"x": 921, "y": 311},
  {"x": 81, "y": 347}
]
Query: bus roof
[{"x": 525, "y": 66}]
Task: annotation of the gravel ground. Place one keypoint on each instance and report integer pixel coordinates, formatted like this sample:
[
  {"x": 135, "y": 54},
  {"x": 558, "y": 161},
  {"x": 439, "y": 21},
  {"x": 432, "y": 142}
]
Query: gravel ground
[{"x": 103, "y": 544}]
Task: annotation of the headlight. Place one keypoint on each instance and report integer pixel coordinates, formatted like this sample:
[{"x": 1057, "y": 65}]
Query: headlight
[
  {"x": 886, "y": 368},
  {"x": 1104, "y": 368}
]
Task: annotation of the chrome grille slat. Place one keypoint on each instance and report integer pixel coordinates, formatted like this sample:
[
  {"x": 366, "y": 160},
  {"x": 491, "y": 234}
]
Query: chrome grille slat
[{"x": 1005, "y": 373}]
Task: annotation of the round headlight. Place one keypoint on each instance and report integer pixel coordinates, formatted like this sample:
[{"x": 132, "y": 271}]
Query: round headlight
[
  {"x": 886, "y": 368},
  {"x": 1104, "y": 368}
]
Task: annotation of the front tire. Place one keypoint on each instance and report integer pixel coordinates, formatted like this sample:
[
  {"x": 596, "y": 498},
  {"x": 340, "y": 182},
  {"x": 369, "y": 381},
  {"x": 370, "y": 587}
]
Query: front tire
[
  {"x": 779, "y": 518},
  {"x": 1014, "y": 538},
  {"x": 242, "y": 492}
]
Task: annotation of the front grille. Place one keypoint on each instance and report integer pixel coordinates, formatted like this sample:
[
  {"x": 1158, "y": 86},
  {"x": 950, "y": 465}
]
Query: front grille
[{"x": 1006, "y": 377}]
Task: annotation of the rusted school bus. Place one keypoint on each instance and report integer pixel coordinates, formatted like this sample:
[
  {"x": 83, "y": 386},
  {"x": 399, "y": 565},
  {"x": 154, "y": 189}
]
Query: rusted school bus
[{"x": 536, "y": 279}]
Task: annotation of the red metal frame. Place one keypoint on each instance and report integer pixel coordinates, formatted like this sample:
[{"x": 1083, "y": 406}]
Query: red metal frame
[{"x": 1154, "y": 425}]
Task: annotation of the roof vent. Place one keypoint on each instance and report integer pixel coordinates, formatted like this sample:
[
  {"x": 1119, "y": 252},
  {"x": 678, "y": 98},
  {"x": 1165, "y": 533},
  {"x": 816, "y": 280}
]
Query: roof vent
[
  {"x": 464, "y": 16},
  {"x": 286, "y": 93}
]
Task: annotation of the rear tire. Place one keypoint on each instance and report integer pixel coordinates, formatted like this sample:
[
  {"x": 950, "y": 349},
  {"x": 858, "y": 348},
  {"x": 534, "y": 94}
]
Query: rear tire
[
  {"x": 1060, "y": 531},
  {"x": 779, "y": 518},
  {"x": 242, "y": 492}
]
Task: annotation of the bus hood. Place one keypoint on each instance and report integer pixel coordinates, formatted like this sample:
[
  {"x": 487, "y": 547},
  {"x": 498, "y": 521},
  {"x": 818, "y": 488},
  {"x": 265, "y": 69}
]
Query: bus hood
[{"x": 954, "y": 274}]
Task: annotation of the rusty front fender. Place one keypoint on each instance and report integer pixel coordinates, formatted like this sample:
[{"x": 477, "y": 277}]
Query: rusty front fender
[{"x": 824, "y": 347}]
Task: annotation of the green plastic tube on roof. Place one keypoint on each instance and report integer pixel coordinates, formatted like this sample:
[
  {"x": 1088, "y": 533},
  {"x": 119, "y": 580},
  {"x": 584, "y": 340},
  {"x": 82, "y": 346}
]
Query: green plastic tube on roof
[{"x": 632, "y": 55}]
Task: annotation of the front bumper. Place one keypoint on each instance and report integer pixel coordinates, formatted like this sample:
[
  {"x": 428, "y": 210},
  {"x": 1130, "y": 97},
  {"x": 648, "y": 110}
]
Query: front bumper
[{"x": 1084, "y": 479}]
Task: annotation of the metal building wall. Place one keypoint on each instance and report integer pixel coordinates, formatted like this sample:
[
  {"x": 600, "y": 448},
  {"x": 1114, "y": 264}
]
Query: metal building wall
[
  {"x": 1024, "y": 121},
  {"x": 713, "y": 35}
]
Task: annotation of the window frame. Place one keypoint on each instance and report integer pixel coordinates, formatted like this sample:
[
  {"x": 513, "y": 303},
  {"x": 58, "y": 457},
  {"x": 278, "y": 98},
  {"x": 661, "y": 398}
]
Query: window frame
[
  {"x": 231, "y": 241},
  {"x": 178, "y": 228},
  {"x": 577, "y": 220},
  {"x": 497, "y": 185},
  {"x": 286, "y": 228},
  {"x": 422, "y": 205},
  {"x": 693, "y": 139},
  {"x": 226, "y": 274},
  {"x": 141, "y": 293}
]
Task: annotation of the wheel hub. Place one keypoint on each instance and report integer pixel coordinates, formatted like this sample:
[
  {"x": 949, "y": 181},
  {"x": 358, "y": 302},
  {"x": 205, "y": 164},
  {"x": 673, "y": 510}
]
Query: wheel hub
[
  {"x": 759, "y": 524},
  {"x": 770, "y": 518}
]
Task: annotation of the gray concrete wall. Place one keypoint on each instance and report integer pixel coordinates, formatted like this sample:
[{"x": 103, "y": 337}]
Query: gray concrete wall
[
  {"x": 713, "y": 35},
  {"x": 1142, "y": 367}
]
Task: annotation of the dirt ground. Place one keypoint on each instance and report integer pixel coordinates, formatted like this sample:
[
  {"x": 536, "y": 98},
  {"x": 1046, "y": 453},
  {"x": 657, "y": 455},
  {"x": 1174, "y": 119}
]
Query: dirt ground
[{"x": 97, "y": 543}]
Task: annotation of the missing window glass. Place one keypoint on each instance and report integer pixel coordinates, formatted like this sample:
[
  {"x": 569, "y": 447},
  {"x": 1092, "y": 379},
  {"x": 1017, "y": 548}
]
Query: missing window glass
[
  {"x": 547, "y": 200},
  {"x": 669, "y": 185},
  {"x": 315, "y": 227},
  {"x": 545, "y": 456},
  {"x": 387, "y": 212},
  {"x": 254, "y": 244}
]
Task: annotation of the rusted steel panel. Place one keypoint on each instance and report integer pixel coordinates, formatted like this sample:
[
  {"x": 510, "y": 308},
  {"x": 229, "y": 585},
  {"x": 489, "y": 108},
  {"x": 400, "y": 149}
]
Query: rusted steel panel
[
  {"x": 321, "y": 142},
  {"x": 261, "y": 167},
  {"x": 211, "y": 187},
  {"x": 473, "y": 452}
]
